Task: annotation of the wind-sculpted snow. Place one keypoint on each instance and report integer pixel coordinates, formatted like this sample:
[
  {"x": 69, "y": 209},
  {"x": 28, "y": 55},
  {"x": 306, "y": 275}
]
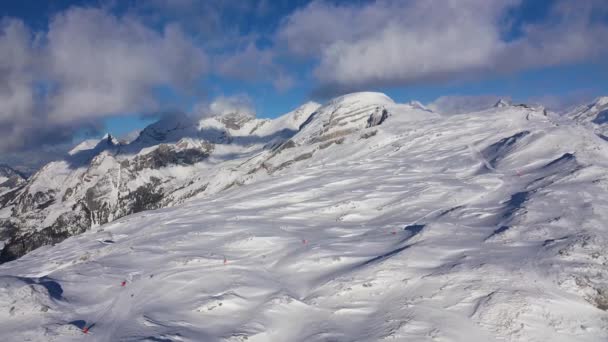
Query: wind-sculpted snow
[{"x": 390, "y": 236}]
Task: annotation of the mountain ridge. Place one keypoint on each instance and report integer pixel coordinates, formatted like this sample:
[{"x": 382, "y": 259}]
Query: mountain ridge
[
  {"x": 180, "y": 157},
  {"x": 375, "y": 221}
]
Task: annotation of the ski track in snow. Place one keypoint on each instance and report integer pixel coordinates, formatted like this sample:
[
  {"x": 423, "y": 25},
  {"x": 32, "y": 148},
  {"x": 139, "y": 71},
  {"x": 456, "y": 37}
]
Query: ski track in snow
[{"x": 404, "y": 238}]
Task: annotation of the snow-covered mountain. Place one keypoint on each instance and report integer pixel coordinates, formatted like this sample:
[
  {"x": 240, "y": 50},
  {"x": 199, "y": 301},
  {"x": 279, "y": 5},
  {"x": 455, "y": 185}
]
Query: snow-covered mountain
[
  {"x": 594, "y": 114},
  {"x": 172, "y": 160},
  {"x": 502, "y": 103},
  {"x": 6, "y": 172},
  {"x": 360, "y": 220},
  {"x": 10, "y": 179}
]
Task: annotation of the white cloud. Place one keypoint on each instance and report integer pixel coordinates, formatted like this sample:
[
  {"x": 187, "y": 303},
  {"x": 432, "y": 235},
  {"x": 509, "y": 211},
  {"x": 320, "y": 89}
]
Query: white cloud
[
  {"x": 239, "y": 104},
  {"x": 283, "y": 82},
  {"x": 115, "y": 71},
  {"x": 89, "y": 65},
  {"x": 247, "y": 64},
  {"x": 19, "y": 119},
  {"x": 405, "y": 42},
  {"x": 252, "y": 64}
]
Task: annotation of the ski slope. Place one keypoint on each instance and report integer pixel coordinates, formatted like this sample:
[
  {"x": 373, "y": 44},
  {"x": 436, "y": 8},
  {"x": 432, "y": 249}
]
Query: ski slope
[{"x": 478, "y": 227}]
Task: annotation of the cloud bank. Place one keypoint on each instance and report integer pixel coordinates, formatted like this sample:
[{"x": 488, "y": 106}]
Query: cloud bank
[
  {"x": 90, "y": 64},
  {"x": 398, "y": 43}
]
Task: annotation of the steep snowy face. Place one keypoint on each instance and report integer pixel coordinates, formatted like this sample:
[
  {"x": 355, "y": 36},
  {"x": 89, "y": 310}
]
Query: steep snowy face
[
  {"x": 594, "y": 114},
  {"x": 502, "y": 103},
  {"x": 10, "y": 179},
  {"x": 6, "y": 173},
  {"x": 477, "y": 227}
]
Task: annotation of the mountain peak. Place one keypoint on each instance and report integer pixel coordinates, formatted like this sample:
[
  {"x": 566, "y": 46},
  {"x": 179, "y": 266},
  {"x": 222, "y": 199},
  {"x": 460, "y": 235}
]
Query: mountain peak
[
  {"x": 600, "y": 101},
  {"x": 109, "y": 140},
  {"x": 419, "y": 105},
  {"x": 596, "y": 113},
  {"x": 502, "y": 103},
  {"x": 235, "y": 120},
  {"x": 364, "y": 96}
]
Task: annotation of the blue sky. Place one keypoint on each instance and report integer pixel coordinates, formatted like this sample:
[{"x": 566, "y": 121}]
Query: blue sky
[{"x": 117, "y": 65}]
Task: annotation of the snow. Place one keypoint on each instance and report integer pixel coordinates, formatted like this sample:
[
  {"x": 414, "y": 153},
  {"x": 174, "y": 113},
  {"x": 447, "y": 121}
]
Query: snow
[
  {"x": 601, "y": 101},
  {"x": 400, "y": 232},
  {"x": 593, "y": 115},
  {"x": 502, "y": 103}
]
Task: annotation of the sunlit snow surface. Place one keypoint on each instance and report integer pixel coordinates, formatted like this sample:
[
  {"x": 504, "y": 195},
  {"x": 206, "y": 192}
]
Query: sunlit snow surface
[{"x": 447, "y": 229}]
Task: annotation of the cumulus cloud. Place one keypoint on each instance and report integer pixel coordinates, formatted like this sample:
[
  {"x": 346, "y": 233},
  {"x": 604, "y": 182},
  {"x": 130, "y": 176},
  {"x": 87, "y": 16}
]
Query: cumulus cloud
[
  {"x": 239, "y": 104},
  {"x": 88, "y": 65},
  {"x": 102, "y": 64},
  {"x": 22, "y": 120},
  {"x": 388, "y": 42},
  {"x": 253, "y": 64},
  {"x": 250, "y": 63}
]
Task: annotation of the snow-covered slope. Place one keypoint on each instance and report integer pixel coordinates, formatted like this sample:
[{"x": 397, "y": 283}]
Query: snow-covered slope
[
  {"x": 594, "y": 114},
  {"x": 10, "y": 180},
  {"x": 477, "y": 227},
  {"x": 172, "y": 160}
]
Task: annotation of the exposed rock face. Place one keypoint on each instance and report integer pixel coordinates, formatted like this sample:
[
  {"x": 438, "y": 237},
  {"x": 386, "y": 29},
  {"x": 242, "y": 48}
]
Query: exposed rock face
[
  {"x": 145, "y": 197},
  {"x": 66, "y": 225},
  {"x": 235, "y": 121},
  {"x": 167, "y": 154},
  {"x": 377, "y": 117}
]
